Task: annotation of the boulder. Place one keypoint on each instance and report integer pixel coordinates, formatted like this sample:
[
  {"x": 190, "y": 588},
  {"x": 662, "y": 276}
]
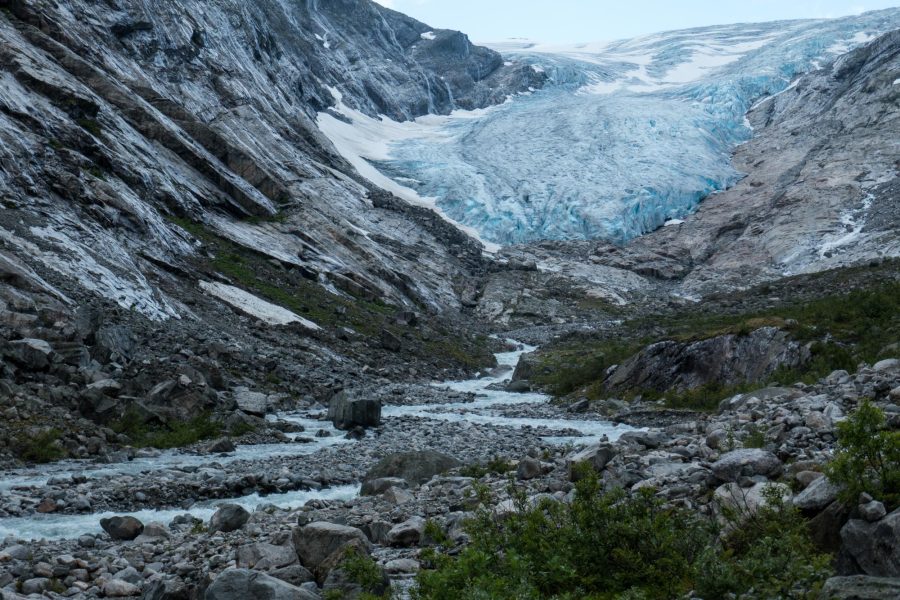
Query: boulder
[
  {"x": 118, "y": 588},
  {"x": 872, "y": 548},
  {"x": 317, "y": 541},
  {"x": 32, "y": 354},
  {"x": 872, "y": 511},
  {"x": 817, "y": 495},
  {"x": 747, "y": 501},
  {"x": 861, "y": 587},
  {"x": 529, "y": 468},
  {"x": 252, "y": 403},
  {"x": 219, "y": 446},
  {"x": 228, "y": 517},
  {"x": 408, "y": 533},
  {"x": 122, "y": 528},
  {"x": 265, "y": 557},
  {"x": 396, "y": 495},
  {"x": 346, "y": 413},
  {"x": 389, "y": 341},
  {"x": 153, "y": 532},
  {"x": 378, "y": 486},
  {"x": 747, "y": 462},
  {"x": 243, "y": 584},
  {"x": 415, "y": 467},
  {"x": 596, "y": 456}
]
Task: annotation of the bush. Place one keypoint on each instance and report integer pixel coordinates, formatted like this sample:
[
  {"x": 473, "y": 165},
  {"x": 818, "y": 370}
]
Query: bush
[
  {"x": 867, "y": 457},
  {"x": 763, "y": 554},
  {"x": 611, "y": 545},
  {"x": 40, "y": 448},
  {"x": 172, "y": 435}
]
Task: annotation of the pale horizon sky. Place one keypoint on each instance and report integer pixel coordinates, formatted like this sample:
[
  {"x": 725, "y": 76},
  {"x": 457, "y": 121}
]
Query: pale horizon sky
[{"x": 570, "y": 21}]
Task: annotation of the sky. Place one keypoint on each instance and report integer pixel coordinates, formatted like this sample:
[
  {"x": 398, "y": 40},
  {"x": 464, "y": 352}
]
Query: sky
[{"x": 561, "y": 21}]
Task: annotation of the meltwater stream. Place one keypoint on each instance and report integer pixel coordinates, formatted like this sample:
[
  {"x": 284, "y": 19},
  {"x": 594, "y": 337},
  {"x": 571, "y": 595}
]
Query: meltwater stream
[{"x": 486, "y": 409}]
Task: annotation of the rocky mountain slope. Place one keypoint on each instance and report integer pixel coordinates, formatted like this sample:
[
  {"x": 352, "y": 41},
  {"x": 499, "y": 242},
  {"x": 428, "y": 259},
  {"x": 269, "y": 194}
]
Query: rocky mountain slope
[{"x": 166, "y": 193}]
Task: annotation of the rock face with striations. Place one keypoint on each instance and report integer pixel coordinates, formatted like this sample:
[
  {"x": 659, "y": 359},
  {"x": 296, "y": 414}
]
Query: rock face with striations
[{"x": 725, "y": 359}]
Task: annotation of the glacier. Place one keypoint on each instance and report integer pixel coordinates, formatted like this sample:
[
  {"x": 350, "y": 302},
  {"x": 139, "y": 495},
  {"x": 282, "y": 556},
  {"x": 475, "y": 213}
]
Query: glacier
[{"x": 625, "y": 137}]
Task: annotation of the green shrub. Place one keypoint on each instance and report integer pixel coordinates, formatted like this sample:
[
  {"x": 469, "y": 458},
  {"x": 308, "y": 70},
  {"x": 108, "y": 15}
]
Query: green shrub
[
  {"x": 755, "y": 438},
  {"x": 364, "y": 572},
  {"x": 40, "y": 448},
  {"x": 497, "y": 466},
  {"x": 171, "y": 435},
  {"x": 611, "y": 545},
  {"x": 867, "y": 456},
  {"x": 763, "y": 554}
]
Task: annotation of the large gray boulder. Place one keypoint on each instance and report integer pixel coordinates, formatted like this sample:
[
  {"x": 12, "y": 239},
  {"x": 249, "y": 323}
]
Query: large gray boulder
[
  {"x": 861, "y": 587},
  {"x": 415, "y": 467},
  {"x": 596, "y": 457},
  {"x": 317, "y": 541},
  {"x": 746, "y": 462},
  {"x": 252, "y": 403},
  {"x": 346, "y": 412},
  {"x": 726, "y": 359},
  {"x": 871, "y": 548},
  {"x": 122, "y": 528},
  {"x": 32, "y": 354},
  {"x": 817, "y": 495},
  {"x": 228, "y": 517},
  {"x": 265, "y": 557},
  {"x": 244, "y": 584}
]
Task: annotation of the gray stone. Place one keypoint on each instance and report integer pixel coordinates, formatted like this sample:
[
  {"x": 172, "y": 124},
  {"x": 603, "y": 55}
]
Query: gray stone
[
  {"x": 317, "y": 541},
  {"x": 872, "y": 511},
  {"x": 35, "y": 585},
  {"x": 375, "y": 487},
  {"x": 228, "y": 517},
  {"x": 529, "y": 468},
  {"x": 220, "y": 446},
  {"x": 817, "y": 495},
  {"x": 118, "y": 588},
  {"x": 264, "y": 556},
  {"x": 244, "y": 584},
  {"x": 746, "y": 501},
  {"x": 873, "y": 547},
  {"x": 346, "y": 412},
  {"x": 415, "y": 467},
  {"x": 888, "y": 364},
  {"x": 596, "y": 457},
  {"x": 122, "y": 528},
  {"x": 397, "y": 496},
  {"x": 253, "y": 403},
  {"x": 408, "y": 533},
  {"x": 747, "y": 462},
  {"x": 861, "y": 587},
  {"x": 33, "y": 354}
]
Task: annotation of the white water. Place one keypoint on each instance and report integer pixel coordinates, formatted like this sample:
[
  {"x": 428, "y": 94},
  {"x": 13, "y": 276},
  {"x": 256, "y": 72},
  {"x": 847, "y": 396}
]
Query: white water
[
  {"x": 484, "y": 410},
  {"x": 56, "y": 527}
]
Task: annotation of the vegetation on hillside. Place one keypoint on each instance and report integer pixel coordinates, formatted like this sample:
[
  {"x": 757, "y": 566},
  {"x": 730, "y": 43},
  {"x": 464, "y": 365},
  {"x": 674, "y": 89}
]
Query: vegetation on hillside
[{"x": 841, "y": 330}]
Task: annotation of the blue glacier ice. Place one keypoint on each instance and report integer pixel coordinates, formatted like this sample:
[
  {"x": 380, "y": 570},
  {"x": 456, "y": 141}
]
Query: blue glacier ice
[{"x": 626, "y": 135}]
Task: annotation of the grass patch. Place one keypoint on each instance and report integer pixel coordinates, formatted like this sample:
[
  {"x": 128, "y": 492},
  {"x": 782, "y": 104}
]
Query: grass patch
[
  {"x": 91, "y": 126},
  {"x": 288, "y": 288},
  {"x": 174, "y": 435},
  {"x": 496, "y": 466},
  {"x": 842, "y": 330},
  {"x": 41, "y": 448}
]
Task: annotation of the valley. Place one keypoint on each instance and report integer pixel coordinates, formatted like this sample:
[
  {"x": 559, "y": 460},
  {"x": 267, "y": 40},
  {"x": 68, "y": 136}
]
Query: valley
[{"x": 327, "y": 299}]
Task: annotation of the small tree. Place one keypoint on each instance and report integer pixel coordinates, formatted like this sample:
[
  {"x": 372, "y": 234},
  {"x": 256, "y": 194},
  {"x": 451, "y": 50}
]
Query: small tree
[{"x": 867, "y": 457}]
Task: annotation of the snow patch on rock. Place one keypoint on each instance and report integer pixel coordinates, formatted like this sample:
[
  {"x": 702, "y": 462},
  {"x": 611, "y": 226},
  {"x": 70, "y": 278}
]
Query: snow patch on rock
[{"x": 255, "y": 306}]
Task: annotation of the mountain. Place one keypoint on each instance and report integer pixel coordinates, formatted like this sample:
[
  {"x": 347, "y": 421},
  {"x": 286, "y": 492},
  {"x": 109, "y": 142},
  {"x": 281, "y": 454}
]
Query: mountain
[
  {"x": 624, "y": 136},
  {"x": 170, "y": 207}
]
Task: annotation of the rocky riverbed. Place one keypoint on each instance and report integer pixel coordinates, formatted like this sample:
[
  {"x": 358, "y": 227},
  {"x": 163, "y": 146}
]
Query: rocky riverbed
[{"x": 271, "y": 516}]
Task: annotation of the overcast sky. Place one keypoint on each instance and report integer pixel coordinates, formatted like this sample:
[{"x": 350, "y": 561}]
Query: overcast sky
[{"x": 593, "y": 20}]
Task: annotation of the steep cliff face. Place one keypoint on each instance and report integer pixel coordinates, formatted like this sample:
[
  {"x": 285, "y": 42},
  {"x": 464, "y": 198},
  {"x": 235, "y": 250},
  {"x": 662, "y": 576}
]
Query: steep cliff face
[
  {"x": 820, "y": 190},
  {"x": 118, "y": 116},
  {"x": 169, "y": 207}
]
